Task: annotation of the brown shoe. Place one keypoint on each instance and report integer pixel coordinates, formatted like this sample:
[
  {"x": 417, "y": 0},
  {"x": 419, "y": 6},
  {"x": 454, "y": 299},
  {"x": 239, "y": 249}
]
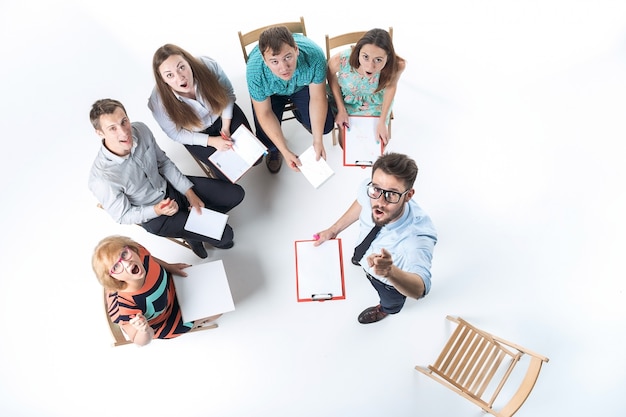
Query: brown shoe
[
  {"x": 372, "y": 315},
  {"x": 274, "y": 160}
]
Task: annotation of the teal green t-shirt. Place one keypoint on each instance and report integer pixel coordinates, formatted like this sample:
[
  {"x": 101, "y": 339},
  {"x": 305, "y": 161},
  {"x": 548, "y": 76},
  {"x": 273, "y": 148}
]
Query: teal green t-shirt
[{"x": 310, "y": 69}]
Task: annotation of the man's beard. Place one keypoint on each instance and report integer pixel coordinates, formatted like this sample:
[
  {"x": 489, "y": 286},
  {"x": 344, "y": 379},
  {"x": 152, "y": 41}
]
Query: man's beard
[{"x": 390, "y": 215}]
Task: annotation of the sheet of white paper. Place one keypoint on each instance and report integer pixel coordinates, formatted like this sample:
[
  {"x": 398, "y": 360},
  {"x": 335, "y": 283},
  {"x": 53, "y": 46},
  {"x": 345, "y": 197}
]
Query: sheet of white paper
[
  {"x": 204, "y": 292},
  {"x": 210, "y": 223},
  {"x": 317, "y": 172},
  {"x": 361, "y": 147},
  {"x": 246, "y": 150},
  {"x": 319, "y": 269}
]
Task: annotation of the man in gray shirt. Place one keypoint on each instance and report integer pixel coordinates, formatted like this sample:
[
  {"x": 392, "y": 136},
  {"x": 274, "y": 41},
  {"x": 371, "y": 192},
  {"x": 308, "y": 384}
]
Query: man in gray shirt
[{"x": 136, "y": 183}]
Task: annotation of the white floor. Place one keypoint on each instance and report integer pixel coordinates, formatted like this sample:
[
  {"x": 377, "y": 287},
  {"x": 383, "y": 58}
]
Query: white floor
[{"x": 514, "y": 112}]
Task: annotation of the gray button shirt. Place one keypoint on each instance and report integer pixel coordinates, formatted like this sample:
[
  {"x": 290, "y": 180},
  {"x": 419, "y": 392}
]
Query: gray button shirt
[{"x": 129, "y": 187}]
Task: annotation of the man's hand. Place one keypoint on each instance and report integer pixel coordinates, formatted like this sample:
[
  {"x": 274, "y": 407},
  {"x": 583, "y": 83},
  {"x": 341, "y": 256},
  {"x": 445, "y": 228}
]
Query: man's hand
[
  {"x": 380, "y": 262},
  {"x": 194, "y": 201},
  {"x": 292, "y": 160},
  {"x": 323, "y": 236},
  {"x": 320, "y": 152},
  {"x": 166, "y": 207}
]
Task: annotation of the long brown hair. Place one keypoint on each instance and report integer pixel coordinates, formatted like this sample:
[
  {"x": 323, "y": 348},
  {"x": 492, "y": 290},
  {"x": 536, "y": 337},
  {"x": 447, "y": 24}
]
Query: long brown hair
[
  {"x": 381, "y": 39},
  {"x": 208, "y": 85}
]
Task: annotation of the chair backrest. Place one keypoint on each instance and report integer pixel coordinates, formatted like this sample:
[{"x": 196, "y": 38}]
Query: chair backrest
[
  {"x": 248, "y": 40},
  {"x": 346, "y": 39},
  {"x": 119, "y": 338},
  {"x": 477, "y": 364}
]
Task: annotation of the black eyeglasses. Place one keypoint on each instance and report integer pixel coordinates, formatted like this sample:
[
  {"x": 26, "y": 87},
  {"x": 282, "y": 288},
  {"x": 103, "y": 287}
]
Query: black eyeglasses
[
  {"x": 118, "y": 267},
  {"x": 392, "y": 197}
]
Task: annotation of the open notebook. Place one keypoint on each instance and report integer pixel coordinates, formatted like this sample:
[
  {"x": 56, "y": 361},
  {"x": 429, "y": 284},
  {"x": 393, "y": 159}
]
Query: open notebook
[{"x": 236, "y": 161}]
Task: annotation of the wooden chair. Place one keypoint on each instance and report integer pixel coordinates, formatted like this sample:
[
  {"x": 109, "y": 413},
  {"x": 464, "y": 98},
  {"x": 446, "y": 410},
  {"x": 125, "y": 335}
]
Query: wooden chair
[
  {"x": 250, "y": 39},
  {"x": 119, "y": 337},
  {"x": 470, "y": 360},
  {"x": 343, "y": 41},
  {"x": 204, "y": 167}
]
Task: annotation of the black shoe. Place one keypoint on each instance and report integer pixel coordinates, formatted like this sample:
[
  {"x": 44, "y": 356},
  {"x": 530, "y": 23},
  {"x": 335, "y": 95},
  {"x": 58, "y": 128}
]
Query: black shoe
[
  {"x": 372, "y": 315},
  {"x": 227, "y": 245},
  {"x": 198, "y": 248},
  {"x": 274, "y": 160}
]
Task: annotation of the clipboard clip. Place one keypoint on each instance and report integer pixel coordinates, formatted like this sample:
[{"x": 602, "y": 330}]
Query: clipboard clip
[{"x": 321, "y": 297}]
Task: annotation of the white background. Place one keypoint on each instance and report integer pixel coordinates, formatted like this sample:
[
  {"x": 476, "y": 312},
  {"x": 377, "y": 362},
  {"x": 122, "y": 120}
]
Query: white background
[{"x": 514, "y": 112}]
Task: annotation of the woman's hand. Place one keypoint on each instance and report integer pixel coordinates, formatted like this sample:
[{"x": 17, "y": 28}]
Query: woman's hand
[{"x": 140, "y": 323}]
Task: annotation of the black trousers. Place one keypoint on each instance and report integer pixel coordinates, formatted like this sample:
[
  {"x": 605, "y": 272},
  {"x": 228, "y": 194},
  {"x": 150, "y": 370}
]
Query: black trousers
[
  {"x": 217, "y": 195},
  {"x": 203, "y": 152}
]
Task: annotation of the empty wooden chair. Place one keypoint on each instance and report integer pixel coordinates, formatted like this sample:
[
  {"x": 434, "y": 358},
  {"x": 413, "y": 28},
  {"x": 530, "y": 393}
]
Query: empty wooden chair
[{"x": 476, "y": 365}]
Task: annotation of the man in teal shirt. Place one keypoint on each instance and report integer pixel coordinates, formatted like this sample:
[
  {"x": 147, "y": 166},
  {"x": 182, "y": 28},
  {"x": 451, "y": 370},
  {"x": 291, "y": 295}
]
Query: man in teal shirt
[{"x": 288, "y": 67}]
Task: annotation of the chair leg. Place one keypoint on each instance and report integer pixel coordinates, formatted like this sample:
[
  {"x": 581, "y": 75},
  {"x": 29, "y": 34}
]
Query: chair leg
[
  {"x": 182, "y": 242},
  {"x": 204, "y": 167}
]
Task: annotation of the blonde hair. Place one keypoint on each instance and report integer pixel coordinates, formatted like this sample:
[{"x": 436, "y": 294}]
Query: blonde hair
[{"x": 105, "y": 254}]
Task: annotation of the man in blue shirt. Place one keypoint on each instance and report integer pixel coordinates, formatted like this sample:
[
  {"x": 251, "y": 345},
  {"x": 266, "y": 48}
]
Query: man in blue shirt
[
  {"x": 398, "y": 259},
  {"x": 288, "y": 67}
]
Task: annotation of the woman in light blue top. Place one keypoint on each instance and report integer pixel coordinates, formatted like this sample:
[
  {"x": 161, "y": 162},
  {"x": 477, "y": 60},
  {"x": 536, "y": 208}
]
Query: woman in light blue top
[{"x": 194, "y": 103}]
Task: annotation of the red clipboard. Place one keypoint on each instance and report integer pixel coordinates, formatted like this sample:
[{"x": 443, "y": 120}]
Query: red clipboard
[
  {"x": 319, "y": 271},
  {"x": 361, "y": 147}
]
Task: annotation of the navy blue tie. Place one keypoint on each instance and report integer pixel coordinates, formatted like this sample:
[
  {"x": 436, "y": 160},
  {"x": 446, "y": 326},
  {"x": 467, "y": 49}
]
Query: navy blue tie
[{"x": 360, "y": 250}]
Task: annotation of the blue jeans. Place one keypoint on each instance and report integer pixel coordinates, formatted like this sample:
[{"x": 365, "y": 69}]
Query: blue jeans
[
  {"x": 391, "y": 301},
  {"x": 301, "y": 101}
]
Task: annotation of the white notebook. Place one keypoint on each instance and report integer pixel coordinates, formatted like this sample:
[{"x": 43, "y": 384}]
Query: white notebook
[
  {"x": 317, "y": 172},
  {"x": 236, "y": 161},
  {"x": 204, "y": 292},
  {"x": 210, "y": 223}
]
